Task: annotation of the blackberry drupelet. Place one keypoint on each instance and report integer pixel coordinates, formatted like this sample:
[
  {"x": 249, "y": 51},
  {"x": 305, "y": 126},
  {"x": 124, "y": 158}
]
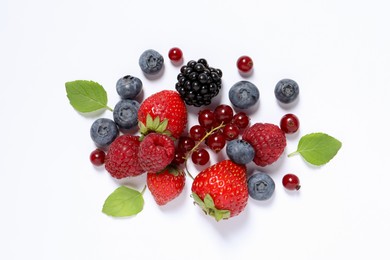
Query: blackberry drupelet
[{"x": 198, "y": 84}]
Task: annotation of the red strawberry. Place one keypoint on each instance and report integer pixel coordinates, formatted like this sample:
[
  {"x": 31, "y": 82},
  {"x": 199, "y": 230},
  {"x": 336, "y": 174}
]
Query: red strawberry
[
  {"x": 166, "y": 185},
  {"x": 122, "y": 159},
  {"x": 268, "y": 140},
  {"x": 163, "y": 112},
  {"x": 221, "y": 190},
  {"x": 156, "y": 151}
]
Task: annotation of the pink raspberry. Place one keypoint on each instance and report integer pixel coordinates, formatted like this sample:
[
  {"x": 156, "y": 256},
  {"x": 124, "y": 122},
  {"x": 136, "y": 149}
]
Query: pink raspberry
[{"x": 156, "y": 152}]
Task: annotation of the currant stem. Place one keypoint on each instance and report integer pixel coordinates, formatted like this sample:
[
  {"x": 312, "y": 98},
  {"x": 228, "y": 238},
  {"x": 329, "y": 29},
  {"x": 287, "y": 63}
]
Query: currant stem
[
  {"x": 198, "y": 144},
  {"x": 143, "y": 190}
]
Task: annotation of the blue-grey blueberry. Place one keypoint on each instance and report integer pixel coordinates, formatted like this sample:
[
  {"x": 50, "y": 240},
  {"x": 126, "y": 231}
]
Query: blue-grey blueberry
[
  {"x": 103, "y": 132},
  {"x": 286, "y": 91},
  {"x": 260, "y": 186},
  {"x": 244, "y": 94},
  {"x": 151, "y": 62},
  {"x": 126, "y": 113},
  {"x": 240, "y": 151},
  {"x": 128, "y": 87}
]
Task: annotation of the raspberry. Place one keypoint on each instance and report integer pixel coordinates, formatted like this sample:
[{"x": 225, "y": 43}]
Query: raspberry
[
  {"x": 156, "y": 152},
  {"x": 268, "y": 140},
  {"x": 122, "y": 159}
]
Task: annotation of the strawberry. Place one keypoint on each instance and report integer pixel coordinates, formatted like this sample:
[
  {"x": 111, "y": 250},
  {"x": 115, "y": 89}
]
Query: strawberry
[
  {"x": 268, "y": 140},
  {"x": 221, "y": 190},
  {"x": 166, "y": 185},
  {"x": 156, "y": 151},
  {"x": 163, "y": 112},
  {"x": 121, "y": 159}
]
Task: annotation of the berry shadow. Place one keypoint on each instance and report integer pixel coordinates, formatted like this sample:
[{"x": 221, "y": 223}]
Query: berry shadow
[
  {"x": 136, "y": 182},
  {"x": 246, "y": 74},
  {"x": 288, "y": 106},
  {"x": 177, "y": 63}
]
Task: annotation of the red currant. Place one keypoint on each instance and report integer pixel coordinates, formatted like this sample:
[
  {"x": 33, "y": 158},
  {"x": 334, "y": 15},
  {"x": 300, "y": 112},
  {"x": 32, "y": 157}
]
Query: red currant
[
  {"x": 97, "y": 157},
  {"x": 206, "y": 118},
  {"x": 289, "y": 123},
  {"x": 185, "y": 143},
  {"x": 175, "y": 54},
  {"x": 241, "y": 120},
  {"x": 223, "y": 113},
  {"x": 179, "y": 158},
  {"x": 200, "y": 157},
  {"x": 197, "y": 132},
  {"x": 245, "y": 64},
  {"x": 216, "y": 141},
  {"x": 231, "y": 131},
  {"x": 291, "y": 182}
]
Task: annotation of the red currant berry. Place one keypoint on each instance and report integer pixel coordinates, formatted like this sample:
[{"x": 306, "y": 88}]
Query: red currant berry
[
  {"x": 206, "y": 118},
  {"x": 175, "y": 54},
  {"x": 185, "y": 143},
  {"x": 289, "y": 123},
  {"x": 245, "y": 64},
  {"x": 291, "y": 182},
  {"x": 241, "y": 120},
  {"x": 197, "y": 132},
  {"x": 223, "y": 113},
  {"x": 200, "y": 157},
  {"x": 216, "y": 141},
  {"x": 97, "y": 157},
  {"x": 179, "y": 158},
  {"x": 231, "y": 131}
]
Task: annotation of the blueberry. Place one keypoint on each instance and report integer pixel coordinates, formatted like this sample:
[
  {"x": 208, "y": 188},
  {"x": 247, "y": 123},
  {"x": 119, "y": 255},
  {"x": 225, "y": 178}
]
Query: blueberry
[
  {"x": 244, "y": 94},
  {"x": 286, "y": 91},
  {"x": 151, "y": 62},
  {"x": 261, "y": 186},
  {"x": 128, "y": 87},
  {"x": 240, "y": 151},
  {"x": 103, "y": 132},
  {"x": 126, "y": 113}
]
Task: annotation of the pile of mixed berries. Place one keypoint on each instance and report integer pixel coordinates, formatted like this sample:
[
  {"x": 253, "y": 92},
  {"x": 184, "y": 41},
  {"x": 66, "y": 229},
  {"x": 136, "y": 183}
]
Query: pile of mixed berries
[{"x": 164, "y": 144}]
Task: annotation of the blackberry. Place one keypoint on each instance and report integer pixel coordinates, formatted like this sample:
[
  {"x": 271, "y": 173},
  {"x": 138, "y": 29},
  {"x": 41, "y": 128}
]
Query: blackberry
[{"x": 198, "y": 83}]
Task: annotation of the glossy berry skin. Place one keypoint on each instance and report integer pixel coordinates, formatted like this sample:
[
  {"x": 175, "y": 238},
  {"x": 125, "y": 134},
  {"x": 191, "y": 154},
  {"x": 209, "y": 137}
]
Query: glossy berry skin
[
  {"x": 286, "y": 91},
  {"x": 175, "y": 54},
  {"x": 121, "y": 159},
  {"x": 128, "y": 87},
  {"x": 241, "y": 120},
  {"x": 223, "y": 113},
  {"x": 97, "y": 157},
  {"x": 245, "y": 64},
  {"x": 261, "y": 186},
  {"x": 230, "y": 131},
  {"x": 291, "y": 182},
  {"x": 166, "y": 185},
  {"x": 240, "y": 151},
  {"x": 179, "y": 158},
  {"x": 151, "y": 62},
  {"x": 216, "y": 141},
  {"x": 185, "y": 143},
  {"x": 126, "y": 113},
  {"x": 244, "y": 94},
  {"x": 289, "y": 123},
  {"x": 103, "y": 132},
  {"x": 223, "y": 183},
  {"x": 156, "y": 152},
  {"x": 206, "y": 118},
  {"x": 197, "y": 132},
  {"x": 200, "y": 157}
]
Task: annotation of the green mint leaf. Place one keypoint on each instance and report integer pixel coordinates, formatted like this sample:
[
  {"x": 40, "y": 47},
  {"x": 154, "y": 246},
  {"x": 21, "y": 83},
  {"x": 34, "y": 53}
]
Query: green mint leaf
[
  {"x": 86, "y": 96},
  {"x": 317, "y": 148},
  {"x": 123, "y": 202}
]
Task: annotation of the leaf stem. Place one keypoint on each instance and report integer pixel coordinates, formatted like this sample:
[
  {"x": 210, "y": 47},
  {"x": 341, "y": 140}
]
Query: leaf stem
[
  {"x": 143, "y": 190},
  {"x": 292, "y": 154},
  {"x": 109, "y": 108}
]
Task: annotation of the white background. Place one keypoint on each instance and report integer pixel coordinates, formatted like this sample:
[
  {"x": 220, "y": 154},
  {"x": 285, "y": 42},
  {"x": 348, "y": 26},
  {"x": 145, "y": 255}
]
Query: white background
[{"x": 51, "y": 196}]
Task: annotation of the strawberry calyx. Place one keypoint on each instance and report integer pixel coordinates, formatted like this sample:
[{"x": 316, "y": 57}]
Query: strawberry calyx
[
  {"x": 153, "y": 126},
  {"x": 208, "y": 207},
  {"x": 172, "y": 169}
]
